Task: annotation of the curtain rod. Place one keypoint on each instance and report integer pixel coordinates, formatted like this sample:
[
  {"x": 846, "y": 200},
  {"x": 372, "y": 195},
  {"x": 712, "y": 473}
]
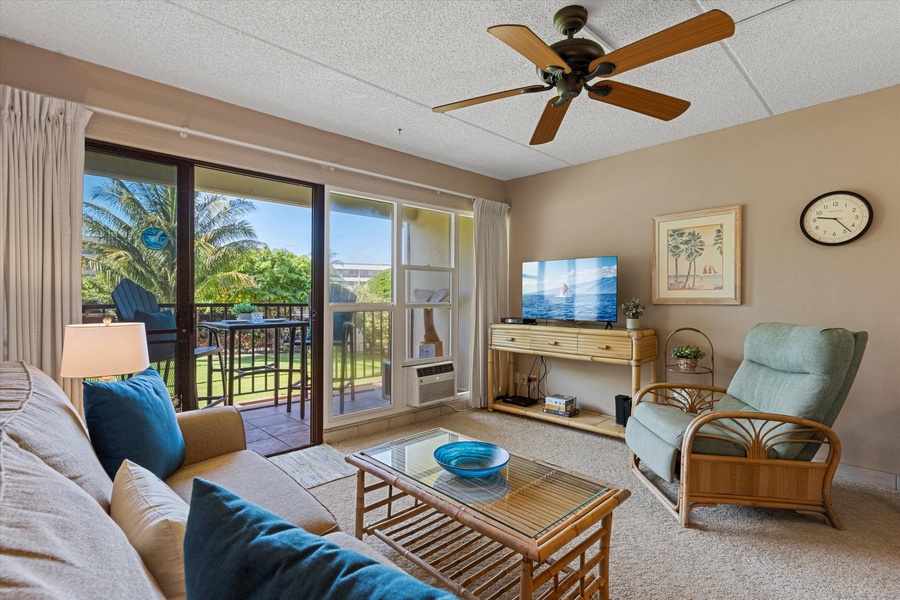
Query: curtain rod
[{"x": 184, "y": 131}]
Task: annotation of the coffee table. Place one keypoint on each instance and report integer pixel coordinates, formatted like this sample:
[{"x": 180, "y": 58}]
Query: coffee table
[{"x": 532, "y": 530}]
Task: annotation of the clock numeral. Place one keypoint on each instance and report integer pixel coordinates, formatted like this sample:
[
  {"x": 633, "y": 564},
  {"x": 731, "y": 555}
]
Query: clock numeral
[
  {"x": 854, "y": 210},
  {"x": 818, "y": 212},
  {"x": 835, "y": 204}
]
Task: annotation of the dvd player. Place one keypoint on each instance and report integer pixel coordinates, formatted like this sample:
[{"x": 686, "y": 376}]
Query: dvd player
[
  {"x": 519, "y": 400},
  {"x": 518, "y": 321}
]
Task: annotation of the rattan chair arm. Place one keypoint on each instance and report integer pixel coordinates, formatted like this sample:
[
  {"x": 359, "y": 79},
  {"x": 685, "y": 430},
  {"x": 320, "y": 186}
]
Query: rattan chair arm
[
  {"x": 651, "y": 389},
  {"x": 759, "y": 428}
]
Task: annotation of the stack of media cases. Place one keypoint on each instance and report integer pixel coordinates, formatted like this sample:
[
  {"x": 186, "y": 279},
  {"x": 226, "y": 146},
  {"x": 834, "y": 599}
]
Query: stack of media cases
[{"x": 560, "y": 404}]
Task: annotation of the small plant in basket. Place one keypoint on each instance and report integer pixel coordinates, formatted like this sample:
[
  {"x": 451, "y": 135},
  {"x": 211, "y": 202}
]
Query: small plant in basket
[{"x": 687, "y": 356}]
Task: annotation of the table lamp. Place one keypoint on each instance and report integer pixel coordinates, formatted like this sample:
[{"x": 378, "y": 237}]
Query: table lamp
[{"x": 104, "y": 350}]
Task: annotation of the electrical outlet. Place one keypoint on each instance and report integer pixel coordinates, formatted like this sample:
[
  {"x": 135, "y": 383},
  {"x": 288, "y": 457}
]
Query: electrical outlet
[{"x": 521, "y": 378}]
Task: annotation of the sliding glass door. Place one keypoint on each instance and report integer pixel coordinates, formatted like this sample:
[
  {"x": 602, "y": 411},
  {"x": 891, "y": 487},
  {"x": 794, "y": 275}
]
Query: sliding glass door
[{"x": 177, "y": 245}]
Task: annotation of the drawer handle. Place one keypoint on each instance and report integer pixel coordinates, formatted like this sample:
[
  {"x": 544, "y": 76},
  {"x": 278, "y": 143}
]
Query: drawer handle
[
  {"x": 512, "y": 339},
  {"x": 604, "y": 347},
  {"x": 554, "y": 343}
]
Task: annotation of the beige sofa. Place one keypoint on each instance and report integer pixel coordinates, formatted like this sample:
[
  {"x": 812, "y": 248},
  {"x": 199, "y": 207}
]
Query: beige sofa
[{"x": 56, "y": 537}]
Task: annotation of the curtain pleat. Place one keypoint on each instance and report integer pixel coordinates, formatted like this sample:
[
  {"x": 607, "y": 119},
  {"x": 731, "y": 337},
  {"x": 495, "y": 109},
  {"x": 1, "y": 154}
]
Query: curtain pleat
[
  {"x": 41, "y": 181},
  {"x": 491, "y": 291}
]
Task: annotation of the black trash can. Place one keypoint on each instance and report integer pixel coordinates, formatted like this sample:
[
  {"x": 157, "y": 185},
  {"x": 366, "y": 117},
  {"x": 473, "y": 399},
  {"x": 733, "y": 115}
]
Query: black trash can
[{"x": 623, "y": 409}]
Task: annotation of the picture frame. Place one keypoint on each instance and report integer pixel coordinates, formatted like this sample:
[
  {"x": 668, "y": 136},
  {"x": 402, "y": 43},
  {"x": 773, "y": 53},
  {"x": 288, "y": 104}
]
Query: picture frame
[{"x": 697, "y": 257}]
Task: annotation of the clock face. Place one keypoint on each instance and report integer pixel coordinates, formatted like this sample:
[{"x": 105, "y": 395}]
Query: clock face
[{"x": 836, "y": 218}]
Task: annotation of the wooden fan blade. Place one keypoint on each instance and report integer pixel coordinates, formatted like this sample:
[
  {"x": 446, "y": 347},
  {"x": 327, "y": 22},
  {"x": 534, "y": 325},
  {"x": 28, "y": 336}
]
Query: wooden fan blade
[
  {"x": 488, "y": 98},
  {"x": 707, "y": 28},
  {"x": 652, "y": 104},
  {"x": 528, "y": 44},
  {"x": 549, "y": 124}
]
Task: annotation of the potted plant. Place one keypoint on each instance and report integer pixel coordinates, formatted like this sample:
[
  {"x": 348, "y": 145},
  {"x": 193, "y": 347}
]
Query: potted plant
[
  {"x": 244, "y": 311},
  {"x": 687, "y": 357},
  {"x": 632, "y": 309}
]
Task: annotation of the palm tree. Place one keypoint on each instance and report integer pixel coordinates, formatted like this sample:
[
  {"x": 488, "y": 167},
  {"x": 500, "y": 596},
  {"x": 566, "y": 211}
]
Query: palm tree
[
  {"x": 676, "y": 247},
  {"x": 718, "y": 241},
  {"x": 693, "y": 249},
  {"x": 118, "y": 213}
]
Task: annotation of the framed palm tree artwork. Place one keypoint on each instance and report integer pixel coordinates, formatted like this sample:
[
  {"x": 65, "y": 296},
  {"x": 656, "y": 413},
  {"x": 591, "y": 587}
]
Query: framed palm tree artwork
[{"x": 697, "y": 257}]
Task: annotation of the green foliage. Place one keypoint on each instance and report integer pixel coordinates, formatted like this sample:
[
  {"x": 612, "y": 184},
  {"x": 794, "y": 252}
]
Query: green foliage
[
  {"x": 278, "y": 276},
  {"x": 376, "y": 289},
  {"x": 119, "y": 211},
  {"x": 687, "y": 352},
  {"x": 633, "y": 308},
  {"x": 242, "y": 308},
  {"x": 95, "y": 290}
]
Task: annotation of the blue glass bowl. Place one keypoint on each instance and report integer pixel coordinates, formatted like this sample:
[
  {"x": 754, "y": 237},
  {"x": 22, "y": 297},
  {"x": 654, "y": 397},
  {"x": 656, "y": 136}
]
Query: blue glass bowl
[{"x": 471, "y": 459}]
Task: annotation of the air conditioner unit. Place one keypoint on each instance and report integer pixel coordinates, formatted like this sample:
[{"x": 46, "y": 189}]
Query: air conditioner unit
[{"x": 428, "y": 384}]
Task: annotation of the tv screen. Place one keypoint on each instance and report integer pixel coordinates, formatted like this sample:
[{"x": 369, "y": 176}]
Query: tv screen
[{"x": 574, "y": 289}]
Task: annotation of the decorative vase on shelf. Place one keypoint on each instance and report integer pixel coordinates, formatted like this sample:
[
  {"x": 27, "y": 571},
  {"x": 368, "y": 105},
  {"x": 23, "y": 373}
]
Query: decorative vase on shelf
[
  {"x": 632, "y": 324},
  {"x": 687, "y": 364}
]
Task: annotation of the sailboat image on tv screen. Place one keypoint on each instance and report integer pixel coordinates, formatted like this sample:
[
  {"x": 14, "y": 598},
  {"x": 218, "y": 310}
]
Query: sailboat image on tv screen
[{"x": 577, "y": 289}]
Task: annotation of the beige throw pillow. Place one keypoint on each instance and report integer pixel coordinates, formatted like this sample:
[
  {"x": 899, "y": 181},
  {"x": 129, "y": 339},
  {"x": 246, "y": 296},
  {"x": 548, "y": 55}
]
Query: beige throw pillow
[{"x": 153, "y": 518}]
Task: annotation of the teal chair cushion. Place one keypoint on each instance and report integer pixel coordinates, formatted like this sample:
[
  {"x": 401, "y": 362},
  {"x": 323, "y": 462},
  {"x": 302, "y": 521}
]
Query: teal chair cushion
[{"x": 793, "y": 370}]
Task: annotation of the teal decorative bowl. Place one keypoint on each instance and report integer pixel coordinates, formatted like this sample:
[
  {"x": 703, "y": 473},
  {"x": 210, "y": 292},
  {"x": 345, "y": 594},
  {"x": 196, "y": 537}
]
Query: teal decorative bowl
[{"x": 471, "y": 459}]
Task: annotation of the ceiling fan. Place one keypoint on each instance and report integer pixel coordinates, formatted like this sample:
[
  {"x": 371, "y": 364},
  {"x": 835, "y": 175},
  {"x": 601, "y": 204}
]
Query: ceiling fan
[{"x": 568, "y": 65}]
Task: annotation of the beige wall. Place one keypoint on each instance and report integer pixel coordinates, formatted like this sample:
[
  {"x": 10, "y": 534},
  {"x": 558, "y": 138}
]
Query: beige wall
[
  {"x": 38, "y": 70},
  {"x": 772, "y": 167}
]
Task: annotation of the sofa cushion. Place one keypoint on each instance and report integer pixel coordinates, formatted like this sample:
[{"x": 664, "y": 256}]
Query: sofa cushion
[
  {"x": 153, "y": 518},
  {"x": 38, "y": 417},
  {"x": 234, "y": 549},
  {"x": 257, "y": 479},
  {"x": 134, "y": 419},
  {"x": 56, "y": 541}
]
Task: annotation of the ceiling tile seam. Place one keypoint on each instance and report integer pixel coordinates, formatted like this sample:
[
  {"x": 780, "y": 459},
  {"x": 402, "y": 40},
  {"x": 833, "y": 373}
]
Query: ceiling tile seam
[
  {"x": 746, "y": 75},
  {"x": 765, "y": 12},
  {"x": 357, "y": 78},
  {"x": 733, "y": 57}
]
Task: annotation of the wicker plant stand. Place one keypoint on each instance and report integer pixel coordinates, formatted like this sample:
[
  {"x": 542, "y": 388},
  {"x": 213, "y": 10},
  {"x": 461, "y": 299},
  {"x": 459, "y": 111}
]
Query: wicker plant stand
[{"x": 533, "y": 530}]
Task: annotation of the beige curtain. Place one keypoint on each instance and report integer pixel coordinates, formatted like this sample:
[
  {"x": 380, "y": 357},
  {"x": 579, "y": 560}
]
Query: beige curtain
[
  {"x": 491, "y": 291},
  {"x": 41, "y": 179}
]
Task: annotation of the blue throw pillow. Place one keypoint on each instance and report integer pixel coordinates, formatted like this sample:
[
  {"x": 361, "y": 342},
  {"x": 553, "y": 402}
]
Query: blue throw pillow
[
  {"x": 134, "y": 419},
  {"x": 236, "y": 550},
  {"x": 160, "y": 346}
]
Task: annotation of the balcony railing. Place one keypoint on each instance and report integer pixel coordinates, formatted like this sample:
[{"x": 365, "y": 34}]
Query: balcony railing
[{"x": 372, "y": 346}]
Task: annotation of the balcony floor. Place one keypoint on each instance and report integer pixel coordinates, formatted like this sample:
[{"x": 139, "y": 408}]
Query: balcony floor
[{"x": 272, "y": 430}]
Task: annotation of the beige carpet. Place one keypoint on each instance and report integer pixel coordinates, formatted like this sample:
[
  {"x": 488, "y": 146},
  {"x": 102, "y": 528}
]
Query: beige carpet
[
  {"x": 314, "y": 466},
  {"x": 728, "y": 552}
]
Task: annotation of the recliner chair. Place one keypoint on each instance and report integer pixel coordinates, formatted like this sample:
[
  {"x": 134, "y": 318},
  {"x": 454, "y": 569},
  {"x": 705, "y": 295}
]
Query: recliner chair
[{"x": 752, "y": 443}]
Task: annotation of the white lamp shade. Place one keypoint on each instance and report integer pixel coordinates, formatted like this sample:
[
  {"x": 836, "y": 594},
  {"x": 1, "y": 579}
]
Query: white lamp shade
[{"x": 101, "y": 350}]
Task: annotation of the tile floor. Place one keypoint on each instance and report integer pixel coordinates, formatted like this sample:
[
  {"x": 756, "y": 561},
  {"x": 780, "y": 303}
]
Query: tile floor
[{"x": 272, "y": 430}]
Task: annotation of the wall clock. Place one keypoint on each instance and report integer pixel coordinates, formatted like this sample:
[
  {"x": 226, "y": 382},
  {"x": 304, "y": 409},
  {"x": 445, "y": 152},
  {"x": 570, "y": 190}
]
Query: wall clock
[{"x": 836, "y": 218}]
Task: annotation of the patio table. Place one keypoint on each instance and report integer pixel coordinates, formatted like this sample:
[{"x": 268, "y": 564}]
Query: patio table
[{"x": 234, "y": 328}]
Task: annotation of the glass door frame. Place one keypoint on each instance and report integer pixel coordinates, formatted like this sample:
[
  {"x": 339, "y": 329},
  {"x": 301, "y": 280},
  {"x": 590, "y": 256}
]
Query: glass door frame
[{"x": 185, "y": 307}]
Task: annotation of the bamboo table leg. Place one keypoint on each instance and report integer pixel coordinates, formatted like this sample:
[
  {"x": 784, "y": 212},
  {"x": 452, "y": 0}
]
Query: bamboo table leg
[
  {"x": 490, "y": 381},
  {"x": 360, "y": 502},
  {"x": 605, "y": 523},
  {"x": 526, "y": 591}
]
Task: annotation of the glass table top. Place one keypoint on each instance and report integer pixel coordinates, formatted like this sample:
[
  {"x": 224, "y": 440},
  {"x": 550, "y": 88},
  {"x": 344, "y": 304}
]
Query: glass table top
[{"x": 525, "y": 495}]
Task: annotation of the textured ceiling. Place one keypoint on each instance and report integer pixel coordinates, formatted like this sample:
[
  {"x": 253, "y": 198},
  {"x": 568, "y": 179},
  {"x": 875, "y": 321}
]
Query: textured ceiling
[{"x": 367, "y": 69}]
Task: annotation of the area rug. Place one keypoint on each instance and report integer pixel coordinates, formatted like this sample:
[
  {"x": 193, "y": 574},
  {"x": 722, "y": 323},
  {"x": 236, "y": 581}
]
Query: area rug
[
  {"x": 729, "y": 552},
  {"x": 314, "y": 466}
]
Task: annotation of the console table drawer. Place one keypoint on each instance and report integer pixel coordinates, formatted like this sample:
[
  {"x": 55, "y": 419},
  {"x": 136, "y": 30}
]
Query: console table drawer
[
  {"x": 513, "y": 338},
  {"x": 554, "y": 343},
  {"x": 604, "y": 346}
]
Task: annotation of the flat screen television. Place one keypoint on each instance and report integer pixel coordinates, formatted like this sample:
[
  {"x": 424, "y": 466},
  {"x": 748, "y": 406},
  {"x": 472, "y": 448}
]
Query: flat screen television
[{"x": 573, "y": 289}]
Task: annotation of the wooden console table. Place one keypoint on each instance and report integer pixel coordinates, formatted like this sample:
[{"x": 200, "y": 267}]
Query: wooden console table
[{"x": 611, "y": 346}]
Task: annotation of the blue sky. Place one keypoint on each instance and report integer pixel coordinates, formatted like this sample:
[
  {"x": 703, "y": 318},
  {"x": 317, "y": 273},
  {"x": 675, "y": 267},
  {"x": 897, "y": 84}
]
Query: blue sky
[{"x": 354, "y": 238}]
